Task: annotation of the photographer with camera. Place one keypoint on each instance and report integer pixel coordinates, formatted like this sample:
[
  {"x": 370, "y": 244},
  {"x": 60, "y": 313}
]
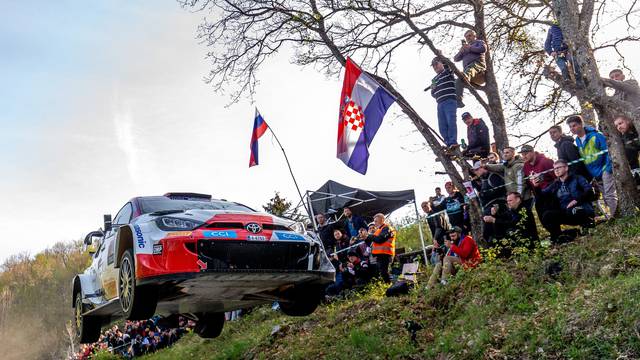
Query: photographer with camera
[{"x": 574, "y": 194}]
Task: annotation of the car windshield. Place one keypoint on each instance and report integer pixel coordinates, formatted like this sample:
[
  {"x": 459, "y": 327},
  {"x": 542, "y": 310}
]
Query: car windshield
[{"x": 166, "y": 204}]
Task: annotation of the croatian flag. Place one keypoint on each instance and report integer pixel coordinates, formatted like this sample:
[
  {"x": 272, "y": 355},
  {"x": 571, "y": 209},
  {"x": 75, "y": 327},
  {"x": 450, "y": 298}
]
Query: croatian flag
[
  {"x": 259, "y": 128},
  {"x": 363, "y": 104}
]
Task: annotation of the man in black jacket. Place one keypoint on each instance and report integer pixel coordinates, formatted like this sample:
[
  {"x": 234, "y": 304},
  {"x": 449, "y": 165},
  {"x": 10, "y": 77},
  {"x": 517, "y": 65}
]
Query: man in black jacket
[
  {"x": 568, "y": 152},
  {"x": 477, "y": 137},
  {"x": 630, "y": 139},
  {"x": 492, "y": 193},
  {"x": 516, "y": 223}
]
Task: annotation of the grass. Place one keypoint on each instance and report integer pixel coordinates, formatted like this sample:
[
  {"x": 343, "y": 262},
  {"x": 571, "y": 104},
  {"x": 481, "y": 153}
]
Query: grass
[{"x": 577, "y": 301}]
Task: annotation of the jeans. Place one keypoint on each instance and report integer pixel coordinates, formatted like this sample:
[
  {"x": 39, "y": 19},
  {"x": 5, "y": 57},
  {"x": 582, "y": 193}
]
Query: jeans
[
  {"x": 609, "y": 194},
  {"x": 447, "y": 121},
  {"x": 563, "y": 60}
]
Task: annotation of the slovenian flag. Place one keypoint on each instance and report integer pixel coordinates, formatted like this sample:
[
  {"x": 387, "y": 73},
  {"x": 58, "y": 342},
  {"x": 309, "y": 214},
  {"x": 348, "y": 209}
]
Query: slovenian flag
[
  {"x": 363, "y": 104},
  {"x": 259, "y": 128}
]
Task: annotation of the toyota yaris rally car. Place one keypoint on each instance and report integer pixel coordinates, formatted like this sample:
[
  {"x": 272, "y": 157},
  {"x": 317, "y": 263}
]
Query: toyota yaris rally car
[{"x": 188, "y": 254}]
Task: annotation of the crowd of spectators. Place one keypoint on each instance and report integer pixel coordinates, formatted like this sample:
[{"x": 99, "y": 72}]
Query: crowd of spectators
[{"x": 136, "y": 338}]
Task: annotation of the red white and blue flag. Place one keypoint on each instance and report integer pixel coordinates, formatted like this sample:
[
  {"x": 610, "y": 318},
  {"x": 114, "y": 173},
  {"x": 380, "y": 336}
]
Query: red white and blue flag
[
  {"x": 259, "y": 128},
  {"x": 363, "y": 104}
]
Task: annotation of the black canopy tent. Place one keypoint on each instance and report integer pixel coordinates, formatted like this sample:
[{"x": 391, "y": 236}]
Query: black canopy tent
[{"x": 331, "y": 197}]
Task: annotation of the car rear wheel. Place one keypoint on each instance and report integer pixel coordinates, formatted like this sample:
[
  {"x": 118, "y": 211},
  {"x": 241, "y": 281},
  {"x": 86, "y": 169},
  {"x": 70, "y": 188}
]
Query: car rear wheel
[
  {"x": 301, "y": 301},
  {"x": 209, "y": 325},
  {"x": 137, "y": 302},
  {"x": 87, "y": 327}
]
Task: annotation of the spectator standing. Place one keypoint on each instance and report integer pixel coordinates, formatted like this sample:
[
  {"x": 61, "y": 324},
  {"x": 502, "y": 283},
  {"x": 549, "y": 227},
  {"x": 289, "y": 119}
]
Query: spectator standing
[
  {"x": 443, "y": 89},
  {"x": 626, "y": 90},
  {"x": 512, "y": 168},
  {"x": 462, "y": 251},
  {"x": 453, "y": 204},
  {"x": 492, "y": 194},
  {"x": 574, "y": 195},
  {"x": 568, "y": 151},
  {"x": 383, "y": 245},
  {"x": 438, "y": 226},
  {"x": 325, "y": 232},
  {"x": 353, "y": 223},
  {"x": 438, "y": 198},
  {"x": 472, "y": 54},
  {"x": 539, "y": 169},
  {"x": 556, "y": 47},
  {"x": 477, "y": 137},
  {"x": 493, "y": 158},
  {"x": 593, "y": 148},
  {"x": 630, "y": 139}
]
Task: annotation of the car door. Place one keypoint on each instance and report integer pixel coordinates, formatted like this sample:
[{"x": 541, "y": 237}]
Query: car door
[{"x": 109, "y": 274}]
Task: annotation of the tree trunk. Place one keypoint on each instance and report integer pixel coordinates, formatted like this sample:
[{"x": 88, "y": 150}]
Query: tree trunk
[
  {"x": 491, "y": 88},
  {"x": 593, "y": 91}
]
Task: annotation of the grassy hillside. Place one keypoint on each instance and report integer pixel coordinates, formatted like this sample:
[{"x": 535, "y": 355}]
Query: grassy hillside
[{"x": 576, "y": 301}]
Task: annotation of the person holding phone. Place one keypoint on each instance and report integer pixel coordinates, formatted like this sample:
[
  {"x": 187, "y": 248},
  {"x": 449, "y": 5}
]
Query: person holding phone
[{"x": 472, "y": 54}]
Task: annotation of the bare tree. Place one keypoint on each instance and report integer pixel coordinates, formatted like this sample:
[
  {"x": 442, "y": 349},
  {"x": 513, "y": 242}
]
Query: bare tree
[
  {"x": 245, "y": 33},
  {"x": 575, "y": 20}
]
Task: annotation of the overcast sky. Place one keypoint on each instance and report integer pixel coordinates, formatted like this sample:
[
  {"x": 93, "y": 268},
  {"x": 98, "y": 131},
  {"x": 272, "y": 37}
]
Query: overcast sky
[{"x": 105, "y": 102}]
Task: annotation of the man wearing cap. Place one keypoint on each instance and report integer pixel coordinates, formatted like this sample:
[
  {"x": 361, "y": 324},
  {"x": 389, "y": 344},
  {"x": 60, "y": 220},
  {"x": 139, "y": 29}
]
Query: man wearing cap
[
  {"x": 358, "y": 269},
  {"x": 492, "y": 194},
  {"x": 443, "y": 89},
  {"x": 477, "y": 137},
  {"x": 539, "y": 171},
  {"x": 462, "y": 251}
]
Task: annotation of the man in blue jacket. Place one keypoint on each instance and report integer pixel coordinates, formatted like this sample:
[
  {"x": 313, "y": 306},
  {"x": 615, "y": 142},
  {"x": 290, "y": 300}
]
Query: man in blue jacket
[
  {"x": 592, "y": 146},
  {"x": 353, "y": 223},
  {"x": 574, "y": 195},
  {"x": 558, "y": 49}
]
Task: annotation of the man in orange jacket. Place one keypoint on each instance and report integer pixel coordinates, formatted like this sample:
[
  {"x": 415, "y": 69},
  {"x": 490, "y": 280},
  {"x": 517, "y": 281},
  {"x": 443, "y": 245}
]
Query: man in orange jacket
[
  {"x": 462, "y": 251},
  {"x": 383, "y": 245}
]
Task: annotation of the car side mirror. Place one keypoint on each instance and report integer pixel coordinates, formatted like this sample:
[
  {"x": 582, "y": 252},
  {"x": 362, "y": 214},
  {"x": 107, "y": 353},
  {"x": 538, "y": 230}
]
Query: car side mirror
[
  {"x": 107, "y": 223},
  {"x": 90, "y": 239}
]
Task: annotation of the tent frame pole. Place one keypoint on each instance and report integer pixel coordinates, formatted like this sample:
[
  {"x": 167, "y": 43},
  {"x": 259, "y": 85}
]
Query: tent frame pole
[
  {"x": 424, "y": 249},
  {"x": 310, "y": 207}
]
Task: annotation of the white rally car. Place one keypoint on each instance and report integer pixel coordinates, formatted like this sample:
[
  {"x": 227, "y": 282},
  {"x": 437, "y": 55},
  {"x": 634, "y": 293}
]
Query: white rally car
[{"x": 185, "y": 253}]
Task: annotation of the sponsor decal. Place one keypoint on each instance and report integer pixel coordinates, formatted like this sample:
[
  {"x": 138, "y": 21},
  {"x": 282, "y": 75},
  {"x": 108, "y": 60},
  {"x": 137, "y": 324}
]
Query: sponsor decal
[
  {"x": 220, "y": 234},
  {"x": 179, "y": 233},
  {"x": 288, "y": 236},
  {"x": 256, "y": 237},
  {"x": 139, "y": 237}
]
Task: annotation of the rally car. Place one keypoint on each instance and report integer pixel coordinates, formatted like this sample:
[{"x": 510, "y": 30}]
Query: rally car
[{"x": 188, "y": 254}]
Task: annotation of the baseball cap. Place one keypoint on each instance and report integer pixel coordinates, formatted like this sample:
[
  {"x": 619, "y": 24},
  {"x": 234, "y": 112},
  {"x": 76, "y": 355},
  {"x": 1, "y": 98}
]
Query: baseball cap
[
  {"x": 526, "y": 148},
  {"x": 476, "y": 165},
  {"x": 465, "y": 115},
  {"x": 455, "y": 229}
]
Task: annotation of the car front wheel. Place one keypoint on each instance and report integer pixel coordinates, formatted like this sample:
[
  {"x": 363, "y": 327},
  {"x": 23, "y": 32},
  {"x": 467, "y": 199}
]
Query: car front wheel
[
  {"x": 137, "y": 302},
  {"x": 87, "y": 327}
]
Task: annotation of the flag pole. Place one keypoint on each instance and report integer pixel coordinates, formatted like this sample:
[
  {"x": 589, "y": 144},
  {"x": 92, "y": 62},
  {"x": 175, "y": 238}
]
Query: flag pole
[{"x": 291, "y": 172}]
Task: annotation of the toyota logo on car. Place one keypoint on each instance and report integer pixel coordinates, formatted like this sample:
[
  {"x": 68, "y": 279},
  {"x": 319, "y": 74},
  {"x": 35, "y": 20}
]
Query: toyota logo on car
[{"x": 253, "y": 227}]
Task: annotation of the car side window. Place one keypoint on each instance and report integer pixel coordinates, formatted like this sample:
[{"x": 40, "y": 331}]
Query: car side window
[{"x": 124, "y": 215}]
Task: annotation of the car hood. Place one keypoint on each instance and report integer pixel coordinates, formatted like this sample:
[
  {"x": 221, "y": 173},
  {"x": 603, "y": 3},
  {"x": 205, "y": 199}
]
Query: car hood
[{"x": 222, "y": 215}]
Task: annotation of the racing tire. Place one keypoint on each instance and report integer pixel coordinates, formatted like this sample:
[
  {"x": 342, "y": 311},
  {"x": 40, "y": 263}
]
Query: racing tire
[
  {"x": 87, "y": 328},
  {"x": 301, "y": 301},
  {"x": 137, "y": 302},
  {"x": 209, "y": 325}
]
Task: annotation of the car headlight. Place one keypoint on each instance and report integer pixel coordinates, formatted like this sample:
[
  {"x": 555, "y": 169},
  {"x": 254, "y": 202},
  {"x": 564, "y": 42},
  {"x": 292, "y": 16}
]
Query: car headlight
[
  {"x": 299, "y": 228},
  {"x": 175, "y": 224}
]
